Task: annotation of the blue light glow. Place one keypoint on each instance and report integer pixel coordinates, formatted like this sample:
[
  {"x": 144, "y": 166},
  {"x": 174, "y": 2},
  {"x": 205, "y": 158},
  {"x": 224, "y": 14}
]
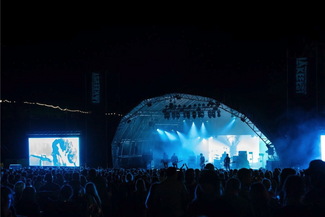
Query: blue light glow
[
  {"x": 170, "y": 136},
  {"x": 204, "y": 132},
  {"x": 162, "y": 135},
  {"x": 193, "y": 131},
  {"x": 322, "y": 142}
]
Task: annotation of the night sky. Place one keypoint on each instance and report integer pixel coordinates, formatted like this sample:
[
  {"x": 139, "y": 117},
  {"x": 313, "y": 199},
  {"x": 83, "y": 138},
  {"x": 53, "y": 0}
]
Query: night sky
[{"x": 48, "y": 50}]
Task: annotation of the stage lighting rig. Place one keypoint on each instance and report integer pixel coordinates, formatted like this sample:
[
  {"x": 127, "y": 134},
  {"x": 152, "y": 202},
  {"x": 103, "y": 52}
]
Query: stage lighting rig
[
  {"x": 219, "y": 113},
  {"x": 210, "y": 114},
  {"x": 200, "y": 112},
  {"x": 178, "y": 115},
  {"x": 188, "y": 115},
  {"x": 194, "y": 114}
]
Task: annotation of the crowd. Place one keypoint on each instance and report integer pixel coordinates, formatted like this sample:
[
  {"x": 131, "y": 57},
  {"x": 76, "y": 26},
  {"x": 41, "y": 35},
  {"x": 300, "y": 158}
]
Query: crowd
[{"x": 183, "y": 192}]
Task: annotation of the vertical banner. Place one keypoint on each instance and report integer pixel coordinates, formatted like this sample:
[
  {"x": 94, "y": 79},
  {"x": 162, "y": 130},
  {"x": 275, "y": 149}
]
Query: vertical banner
[
  {"x": 95, "y": 90},
  {"x": 301, "y": 75}
]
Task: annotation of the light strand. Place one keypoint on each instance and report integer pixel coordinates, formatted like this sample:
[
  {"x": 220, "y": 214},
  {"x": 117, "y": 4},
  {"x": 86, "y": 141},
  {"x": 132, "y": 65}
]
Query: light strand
[{"x": 61, "y": 109}]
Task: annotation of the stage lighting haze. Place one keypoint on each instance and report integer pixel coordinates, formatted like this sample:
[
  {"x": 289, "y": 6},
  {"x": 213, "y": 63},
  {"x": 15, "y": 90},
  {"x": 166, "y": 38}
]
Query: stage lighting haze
[{"x": 322, "y": 142}]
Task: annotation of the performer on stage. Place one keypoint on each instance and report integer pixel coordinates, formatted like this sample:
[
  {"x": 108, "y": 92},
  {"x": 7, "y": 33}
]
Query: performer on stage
[
  {"x": 202, "y": 161},
  {"x": 226, "y": 162},
  {"x": 165, "y": 160},
  {"x": 174, "y": 160}
]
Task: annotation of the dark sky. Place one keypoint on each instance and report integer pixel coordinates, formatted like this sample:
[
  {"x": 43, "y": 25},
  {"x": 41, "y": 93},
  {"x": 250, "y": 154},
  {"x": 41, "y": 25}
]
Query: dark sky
[{"x": 48, "y": 49}]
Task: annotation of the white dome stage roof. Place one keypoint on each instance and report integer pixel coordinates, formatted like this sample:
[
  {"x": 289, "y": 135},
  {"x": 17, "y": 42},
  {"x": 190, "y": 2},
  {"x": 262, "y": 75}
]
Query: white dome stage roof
[{"x": 188, "y": 125}]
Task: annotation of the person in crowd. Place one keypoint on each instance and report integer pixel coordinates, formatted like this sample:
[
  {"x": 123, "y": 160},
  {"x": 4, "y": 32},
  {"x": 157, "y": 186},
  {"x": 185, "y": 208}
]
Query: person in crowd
[
  {"x": 49, "y": 185},
  {"x": 171, "y": 196},
  {"x": 207, "y": 201},
  {"x": 267, "y": 184},
  {"x": 92, "y": 190},
  {"x": 259, "y": 199},
  {"x": 94, "y": 203},
  {"x": 316, "y": 176},
  {"x": 282, "y": 177},
  {"x": 101, "y": 186},
  {"x": 63, "y": 206},
  {"x": 5, "y": 181},
  {"x": 151, "y": 204},
  {"x": 76, "y": 186},
  {"x": 240, "y": 206},
  {"x": 294, "y": 190},
  {"x": 19, "y": 188},
  {"x": 138, "y": 199},
  {"x": 209, "y": 166},
  {"x": 245, "y": 177},
  {"x": 83, "y": 181},
  {"x": 7, "y": 208},
  {"x": 59, "y": 179},
  {"x": 190, "y": 182},
  {"x": 27, "y": 205}
]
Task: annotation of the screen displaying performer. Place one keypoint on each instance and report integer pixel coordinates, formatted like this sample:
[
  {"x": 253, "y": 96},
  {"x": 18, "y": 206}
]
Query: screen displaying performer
[{"x": 62, "y": 151}]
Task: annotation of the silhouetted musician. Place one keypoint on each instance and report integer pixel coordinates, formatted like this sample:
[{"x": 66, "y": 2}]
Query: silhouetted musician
[
  {"x": 227, "y": 162},
  {"x": 174, "y": 160},
  {"x": 165, "y": 160},
  {"x": 202, "y": 161}
]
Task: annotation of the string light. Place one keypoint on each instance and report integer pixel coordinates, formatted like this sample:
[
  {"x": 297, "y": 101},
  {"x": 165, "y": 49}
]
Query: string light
[
  {"x": 6, "y": 101},
  {"x": 58, "y": 107},
  {"x": 113, "y": 114}
]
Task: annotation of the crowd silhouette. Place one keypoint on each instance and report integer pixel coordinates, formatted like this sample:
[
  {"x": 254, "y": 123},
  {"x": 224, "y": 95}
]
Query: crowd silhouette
[{"x": 172, "y": 192}]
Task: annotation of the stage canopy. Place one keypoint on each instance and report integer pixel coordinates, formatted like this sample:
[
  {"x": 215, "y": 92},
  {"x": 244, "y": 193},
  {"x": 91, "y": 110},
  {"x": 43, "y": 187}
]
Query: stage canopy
[{"x": 188, "y": 125}]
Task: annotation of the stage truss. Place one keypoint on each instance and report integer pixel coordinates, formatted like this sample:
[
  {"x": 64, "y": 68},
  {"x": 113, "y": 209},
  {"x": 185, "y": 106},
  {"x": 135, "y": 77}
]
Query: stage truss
[{"x": 149, "y": 113}]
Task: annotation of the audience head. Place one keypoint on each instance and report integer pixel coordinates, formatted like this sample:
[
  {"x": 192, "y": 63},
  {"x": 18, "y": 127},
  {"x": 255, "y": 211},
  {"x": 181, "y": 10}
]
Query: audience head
[
  {"x": 66, "y": 192},
  {"x": 91, "y": 188},
  {"x": 267, "y": 183},
  {"x": 129, "y": 177},
  {"x": 294, "y": 188},
  {"x": 233, "y": 186},
  {"x": 75, "y": 176},
  {"x": 6, "y": 200},
  {"x": 285, "y": 173},
  {"x": 209, "y": 183},
  {"x": 245, "y": 176},
  {"x": 258, "y": 193},
  {"x": 92, "y": 174},
  {"x": 48, "y": 177},
  {"x": 140, "y": 185},
  {"x": 316, "y": 173},
  {"x": 209, "y": 166},
  {"x": 189, "y": 175},
  {"x": 171, "y": 172},
  {"x": 29, "y": 194},
  {"x": 19, "y": 187}
]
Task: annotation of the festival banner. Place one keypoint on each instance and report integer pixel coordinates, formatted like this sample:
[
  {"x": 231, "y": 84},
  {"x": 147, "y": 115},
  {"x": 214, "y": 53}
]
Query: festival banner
[
  {"x": 95, "y": 91},
  {"x": 301, "y": 75}
]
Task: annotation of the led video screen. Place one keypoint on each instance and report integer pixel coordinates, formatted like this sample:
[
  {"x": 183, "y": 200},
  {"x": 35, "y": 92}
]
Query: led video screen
[{"x": 54, "y": 151}]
